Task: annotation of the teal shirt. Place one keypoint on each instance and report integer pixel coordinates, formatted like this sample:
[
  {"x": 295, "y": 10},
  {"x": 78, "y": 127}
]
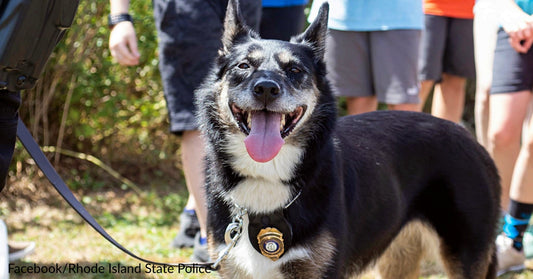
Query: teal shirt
[
  {"x": 526, "y": 5},
  {"x": 372, "y": 15}
]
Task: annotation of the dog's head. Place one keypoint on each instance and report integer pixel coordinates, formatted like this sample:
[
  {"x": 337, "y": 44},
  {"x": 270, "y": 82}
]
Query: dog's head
[{"x": 267, "y": 90}]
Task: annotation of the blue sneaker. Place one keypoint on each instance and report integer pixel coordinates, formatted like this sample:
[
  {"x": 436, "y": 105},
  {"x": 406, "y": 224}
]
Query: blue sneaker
[{"x": 200, "y": 253}]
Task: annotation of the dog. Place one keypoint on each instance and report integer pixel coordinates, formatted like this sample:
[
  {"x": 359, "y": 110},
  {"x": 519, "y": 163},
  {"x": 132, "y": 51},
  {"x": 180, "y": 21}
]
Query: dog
[{"x": 295, "y": 192}]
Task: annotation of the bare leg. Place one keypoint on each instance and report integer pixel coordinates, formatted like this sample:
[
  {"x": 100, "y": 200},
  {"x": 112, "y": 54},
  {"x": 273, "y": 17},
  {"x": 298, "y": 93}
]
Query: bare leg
[
  {"x": 507, "y": 114},
  {"x": 192, "y": 156},
  {"x": 407, "y": 107},
  {"x": 522, "y": 181},
  {"x": 358, "y": 105},
  {"x": 485, "y": 34},
  {"x": 425, "y": 89},
  {"x": 449, "y": 98}
]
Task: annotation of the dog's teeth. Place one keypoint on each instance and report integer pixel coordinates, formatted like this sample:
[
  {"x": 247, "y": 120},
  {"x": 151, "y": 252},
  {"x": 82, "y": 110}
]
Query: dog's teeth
[
  {"x": 249, "y": 120},
  {"x": 282, "y": 124}
]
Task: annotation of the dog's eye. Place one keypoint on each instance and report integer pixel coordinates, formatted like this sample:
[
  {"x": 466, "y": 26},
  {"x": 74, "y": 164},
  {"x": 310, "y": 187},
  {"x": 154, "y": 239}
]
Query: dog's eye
[
  {"x": 243, "y": 66},
  {"x": 295, "y": 70}
]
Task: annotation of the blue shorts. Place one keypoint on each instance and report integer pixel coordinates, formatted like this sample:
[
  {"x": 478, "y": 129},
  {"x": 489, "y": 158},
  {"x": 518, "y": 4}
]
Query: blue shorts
[
  {"x": 512, "y": 71},
  {"x": 190, "y": 34}
]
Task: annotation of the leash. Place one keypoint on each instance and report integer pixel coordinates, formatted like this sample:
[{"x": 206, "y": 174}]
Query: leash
[{"x": 51, "y": 174}]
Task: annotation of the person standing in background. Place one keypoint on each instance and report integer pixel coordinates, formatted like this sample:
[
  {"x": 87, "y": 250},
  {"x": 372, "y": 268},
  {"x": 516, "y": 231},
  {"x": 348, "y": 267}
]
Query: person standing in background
[
  {"x": 447, "y": 55},
  {"x": 511, "y": 147},
  {"x": 372, "y": 52}
]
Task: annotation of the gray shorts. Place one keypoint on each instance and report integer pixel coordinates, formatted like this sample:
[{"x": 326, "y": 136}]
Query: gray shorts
[
  {"x": 447, "y": 47},
  {"x": 375, "y": 63},
  {"x": 189, "y": 34}
]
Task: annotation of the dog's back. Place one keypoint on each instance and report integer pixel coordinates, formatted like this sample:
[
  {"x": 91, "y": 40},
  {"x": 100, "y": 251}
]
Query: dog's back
[{"x": 419, "y": 168}]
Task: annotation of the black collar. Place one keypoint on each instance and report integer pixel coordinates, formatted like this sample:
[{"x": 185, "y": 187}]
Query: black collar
[{"x": 271, "y": 234}]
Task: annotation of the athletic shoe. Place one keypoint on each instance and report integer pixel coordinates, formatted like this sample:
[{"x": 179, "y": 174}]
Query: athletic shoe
[
  {"x": 200, "y": 253},
  {"x": 509, "y": 259},
  {"x": 189, "y": 227},
  {"x": 528, "y": 244},
  {"x": 19, "y": 250}
]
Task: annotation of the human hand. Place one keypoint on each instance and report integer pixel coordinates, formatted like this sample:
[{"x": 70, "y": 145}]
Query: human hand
[
  {"x": 123, "y": 44},
  {"x": 519, "y": 27}
]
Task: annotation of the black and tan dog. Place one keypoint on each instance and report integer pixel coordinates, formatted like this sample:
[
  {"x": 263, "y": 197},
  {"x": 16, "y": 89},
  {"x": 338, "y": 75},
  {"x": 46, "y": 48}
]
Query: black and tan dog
[{"x": 326, "y": 198}]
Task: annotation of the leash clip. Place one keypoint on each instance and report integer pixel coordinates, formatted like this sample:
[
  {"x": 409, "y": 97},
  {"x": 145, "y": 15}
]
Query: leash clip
[{"x": 231, "y": 236}]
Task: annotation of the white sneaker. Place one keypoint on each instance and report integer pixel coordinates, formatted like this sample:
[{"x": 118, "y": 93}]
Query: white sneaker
[{"x": 509, "y": 259}]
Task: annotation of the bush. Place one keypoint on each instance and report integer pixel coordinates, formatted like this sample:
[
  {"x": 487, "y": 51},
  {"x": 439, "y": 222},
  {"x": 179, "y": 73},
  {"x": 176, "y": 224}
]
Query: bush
[{"x": 86, "y": 103}]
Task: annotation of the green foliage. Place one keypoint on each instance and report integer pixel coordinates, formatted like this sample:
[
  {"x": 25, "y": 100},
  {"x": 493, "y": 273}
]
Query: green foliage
[
  {"x": 109, "y": 103},
  {"x": 87, "y": 103}
]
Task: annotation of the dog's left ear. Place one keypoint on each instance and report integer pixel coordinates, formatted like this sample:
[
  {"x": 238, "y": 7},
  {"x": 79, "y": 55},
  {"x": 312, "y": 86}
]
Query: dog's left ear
[
  {"x": 234, "y": 26},
  {"x": 316, "y": 33}
]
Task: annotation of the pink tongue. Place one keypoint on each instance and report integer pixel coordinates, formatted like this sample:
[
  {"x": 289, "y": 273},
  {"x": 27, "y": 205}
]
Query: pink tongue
[{"x": 264, "y": 141}]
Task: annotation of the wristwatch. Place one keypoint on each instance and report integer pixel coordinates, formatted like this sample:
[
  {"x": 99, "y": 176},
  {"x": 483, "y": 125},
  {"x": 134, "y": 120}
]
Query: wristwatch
[{"x": 116, "y": 18}]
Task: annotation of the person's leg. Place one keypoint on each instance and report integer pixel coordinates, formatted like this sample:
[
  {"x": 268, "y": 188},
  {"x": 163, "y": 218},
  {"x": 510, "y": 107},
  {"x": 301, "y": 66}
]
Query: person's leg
[
  {"x": 425, "y": 88},
  {"x": 507, "y": 114},
  {"x": 406, "y": 107},
  {"x": 521, "y": 197},
  {"x": 511, "y": 73},
  {"x": 522, "y": 179},
  {"x": 458, "y": 65},
  {"x": 192, "y": 156},
  {"x": 449, "y": 98},
  {"x": 394, "y": 60},
  {"x": 485, "y": 31},
  {"x": 347, "y": 58},
  {"x": 432, "y": 47},
  {"x": 357, "y": 105}
]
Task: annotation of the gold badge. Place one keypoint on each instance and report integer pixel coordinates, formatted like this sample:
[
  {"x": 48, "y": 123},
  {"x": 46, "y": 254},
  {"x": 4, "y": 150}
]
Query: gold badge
[{"x": 271, "y": 243}]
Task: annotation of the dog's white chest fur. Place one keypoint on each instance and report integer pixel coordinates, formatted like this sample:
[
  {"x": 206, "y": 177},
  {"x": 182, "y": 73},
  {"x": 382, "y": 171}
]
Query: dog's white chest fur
[{"x": 262, "y": 191}]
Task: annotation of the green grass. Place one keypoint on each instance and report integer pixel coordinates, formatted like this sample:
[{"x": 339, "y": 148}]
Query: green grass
[{"x": 145, "y": 224}]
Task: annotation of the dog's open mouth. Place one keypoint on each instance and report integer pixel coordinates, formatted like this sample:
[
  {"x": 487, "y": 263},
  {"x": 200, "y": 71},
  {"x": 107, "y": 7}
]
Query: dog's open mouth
[{"x": 265, "y": 130}]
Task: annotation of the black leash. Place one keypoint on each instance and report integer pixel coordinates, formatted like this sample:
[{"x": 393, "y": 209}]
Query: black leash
[{"x": 46, "y": 167}]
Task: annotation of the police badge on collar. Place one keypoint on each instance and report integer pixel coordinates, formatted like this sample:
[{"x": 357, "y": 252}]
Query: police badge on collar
[
  {"x": 270, "y": 234},
  {"x": 271, "y": 244}
]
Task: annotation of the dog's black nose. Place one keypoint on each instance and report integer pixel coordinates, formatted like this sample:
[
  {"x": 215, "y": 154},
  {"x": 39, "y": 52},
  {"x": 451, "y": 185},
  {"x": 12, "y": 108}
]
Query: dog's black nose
[{"x": 266, "y": 90}]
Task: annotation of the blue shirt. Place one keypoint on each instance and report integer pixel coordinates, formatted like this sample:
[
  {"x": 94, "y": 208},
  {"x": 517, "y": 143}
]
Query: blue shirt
[
  {"x": 284, "y": 3},
  {"x": 526, "y": 5},
  {"x": 372, "y": 15}
]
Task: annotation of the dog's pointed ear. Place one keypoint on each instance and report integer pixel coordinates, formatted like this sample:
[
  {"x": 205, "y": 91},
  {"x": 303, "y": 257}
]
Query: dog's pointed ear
[
  {"x": 315, "y": 34},
  {"x": 234, "y": 26}
]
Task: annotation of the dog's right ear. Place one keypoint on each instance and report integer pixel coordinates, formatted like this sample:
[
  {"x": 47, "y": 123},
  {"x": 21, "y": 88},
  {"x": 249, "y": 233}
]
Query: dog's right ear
[
  {"x": 315, "y": 34},
  {"x": 234, "y": 26}
]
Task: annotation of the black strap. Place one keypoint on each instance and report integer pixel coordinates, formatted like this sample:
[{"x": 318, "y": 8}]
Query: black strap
[{"x": 46, "y": 167}]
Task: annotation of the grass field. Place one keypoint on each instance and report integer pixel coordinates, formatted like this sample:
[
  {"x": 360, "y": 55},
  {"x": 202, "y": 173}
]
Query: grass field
[{"x": 144, "y": 223}]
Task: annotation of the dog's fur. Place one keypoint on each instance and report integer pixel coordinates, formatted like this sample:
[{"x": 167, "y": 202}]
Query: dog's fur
[{"x": 366, "y": 181}]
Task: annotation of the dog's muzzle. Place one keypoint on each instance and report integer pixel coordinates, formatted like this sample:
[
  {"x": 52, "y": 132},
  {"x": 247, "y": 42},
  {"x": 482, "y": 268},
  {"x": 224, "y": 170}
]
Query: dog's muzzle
[{"x": 266, "y": 91}]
